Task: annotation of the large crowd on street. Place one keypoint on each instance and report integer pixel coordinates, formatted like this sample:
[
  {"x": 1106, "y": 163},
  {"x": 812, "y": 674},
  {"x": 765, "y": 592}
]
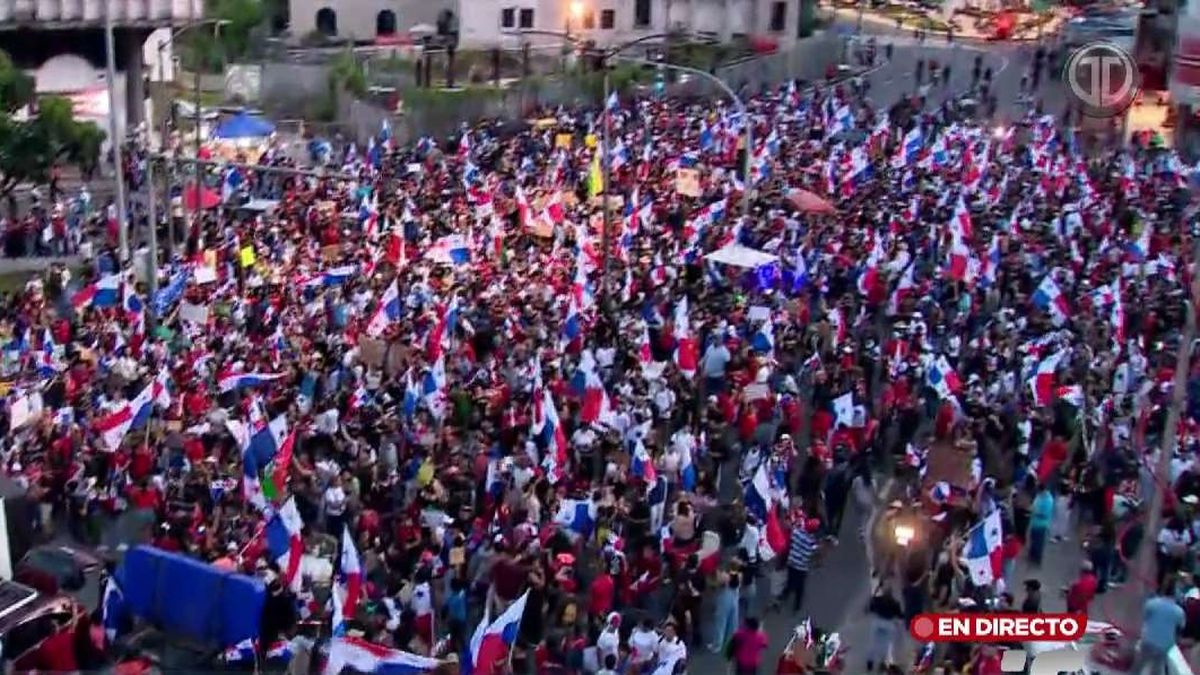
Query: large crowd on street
[{"x": 546, "y": 415}]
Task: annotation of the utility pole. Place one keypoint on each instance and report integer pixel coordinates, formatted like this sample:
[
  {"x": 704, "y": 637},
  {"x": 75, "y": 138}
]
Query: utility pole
[
  {"x": 152, "y": 254},
  {"x": 115, "y": 137}
]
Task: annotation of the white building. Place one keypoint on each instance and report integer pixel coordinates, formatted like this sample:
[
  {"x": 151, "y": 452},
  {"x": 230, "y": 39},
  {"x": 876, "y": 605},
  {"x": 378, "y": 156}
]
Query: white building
[
  {"x": 488, "y": 23},
  {"x": 363, "y": 19}
]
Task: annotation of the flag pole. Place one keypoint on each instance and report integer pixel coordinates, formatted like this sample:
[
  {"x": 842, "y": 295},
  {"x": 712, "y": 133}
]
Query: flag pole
[{"x": 257, "y": 533}]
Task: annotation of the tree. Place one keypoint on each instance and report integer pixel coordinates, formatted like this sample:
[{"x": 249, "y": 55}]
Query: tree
[
  {"x": 211, "y": 47},
  {"x": 37, "y": 133}
]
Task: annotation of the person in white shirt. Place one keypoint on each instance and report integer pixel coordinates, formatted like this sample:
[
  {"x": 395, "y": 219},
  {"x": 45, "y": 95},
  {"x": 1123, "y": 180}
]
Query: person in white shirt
[
  {"x": 643, "y": 643},
  {"x": 334, "y": 503},
  {"x": 609, "y": 642},
  {"x": 583, "y": 439},
  {"x": 683, "y": 440},
  {"x": 664, "y": 403},
  {"x": 670, "y": 647}
]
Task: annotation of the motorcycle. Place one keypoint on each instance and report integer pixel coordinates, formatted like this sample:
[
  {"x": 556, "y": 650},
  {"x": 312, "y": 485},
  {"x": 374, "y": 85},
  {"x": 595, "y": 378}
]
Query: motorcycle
[{"x": 811, "y": 651}]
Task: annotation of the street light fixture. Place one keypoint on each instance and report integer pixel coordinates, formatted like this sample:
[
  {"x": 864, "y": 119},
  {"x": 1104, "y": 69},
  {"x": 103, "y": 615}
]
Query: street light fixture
[
  {"x": 737, "y": 101},
  {"x": 114, "y": 135},
  {"x": 152, "y": 258},
  {"x": 615, "y": 53}
]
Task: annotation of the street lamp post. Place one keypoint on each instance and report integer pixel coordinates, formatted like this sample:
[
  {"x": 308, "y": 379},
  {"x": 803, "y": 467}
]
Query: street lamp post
[
  {"x": 152, "y": 254},
  {"x": 198, "y": 163},
  {"x": 737, "y": 101},
  {"x": 606, "y": 157},
  {"x": 217, "y": 23},
  {"x": 115, "y": 136}
]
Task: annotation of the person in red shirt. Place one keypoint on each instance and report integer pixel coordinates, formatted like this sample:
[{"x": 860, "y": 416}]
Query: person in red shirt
[
  {"x": 749, "y": 643},
  {"x": 987, "y": 661},
  {"x": 1053, "y": 454},
  {"x": 602, "y": 592},
  {"x": 142, "y": 496},
  {"x": 1081, "y": 592},
  {"x": 747, "y": 423}
]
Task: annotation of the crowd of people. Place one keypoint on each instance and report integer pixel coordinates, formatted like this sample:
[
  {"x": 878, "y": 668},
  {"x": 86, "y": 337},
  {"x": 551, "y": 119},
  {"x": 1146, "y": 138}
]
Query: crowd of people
[{"x": 429, "y": 369}]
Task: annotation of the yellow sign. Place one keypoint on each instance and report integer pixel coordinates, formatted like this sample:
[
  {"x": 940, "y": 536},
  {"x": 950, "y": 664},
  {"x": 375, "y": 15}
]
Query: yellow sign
[
  {"x": 590, "y": 140},
  {"x": 247, "y": 256},
  {"x": 687, "y": 182},
  {"x": 563, "y": 140}
]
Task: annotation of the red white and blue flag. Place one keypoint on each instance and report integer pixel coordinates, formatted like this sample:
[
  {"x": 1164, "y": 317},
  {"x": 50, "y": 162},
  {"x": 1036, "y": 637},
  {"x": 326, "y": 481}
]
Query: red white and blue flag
[
  {"x": 350, "y": 575},
  {"x": 285, "y": 542},
  {"x": 983, "y": 552},
  {"x": 365, "y": 657},
  {"x": 491, "y": 641},
  {"x": 1049, "y": 298}
]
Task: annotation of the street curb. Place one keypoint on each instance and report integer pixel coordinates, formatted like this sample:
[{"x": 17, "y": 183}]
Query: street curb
[{"x": 891, "y": 24}]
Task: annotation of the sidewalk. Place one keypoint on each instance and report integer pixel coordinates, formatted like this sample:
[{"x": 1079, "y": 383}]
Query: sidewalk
[{"x": 966, "y": 32}]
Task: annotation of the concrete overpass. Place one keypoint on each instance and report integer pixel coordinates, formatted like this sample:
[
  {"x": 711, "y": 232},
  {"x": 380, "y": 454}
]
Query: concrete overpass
[{"x": 61, "y": 43}]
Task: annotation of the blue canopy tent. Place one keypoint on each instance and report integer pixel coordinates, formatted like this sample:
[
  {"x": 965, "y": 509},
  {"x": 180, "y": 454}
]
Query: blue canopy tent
[{"x": 243, "y": 125}]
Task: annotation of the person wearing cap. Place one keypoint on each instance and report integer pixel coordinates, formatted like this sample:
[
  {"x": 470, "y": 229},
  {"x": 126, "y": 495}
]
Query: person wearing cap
[{"x": 608, "y": 644}]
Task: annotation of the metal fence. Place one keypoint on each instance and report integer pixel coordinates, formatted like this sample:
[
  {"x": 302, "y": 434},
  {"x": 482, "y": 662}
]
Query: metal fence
[{"x": 294, "y": 88}]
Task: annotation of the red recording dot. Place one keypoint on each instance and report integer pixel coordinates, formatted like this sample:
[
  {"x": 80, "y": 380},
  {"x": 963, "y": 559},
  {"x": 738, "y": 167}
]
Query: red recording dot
[{"x": 922, "y": 628}]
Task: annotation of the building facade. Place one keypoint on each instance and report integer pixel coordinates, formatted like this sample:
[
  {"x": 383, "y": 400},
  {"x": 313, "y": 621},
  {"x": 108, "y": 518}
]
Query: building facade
[
  {"x": 1184, "y": 66},
  {"x": 364, "y": 20},
  {"x": 490, "y": 23},
  {"x": 61, "y": 44}
]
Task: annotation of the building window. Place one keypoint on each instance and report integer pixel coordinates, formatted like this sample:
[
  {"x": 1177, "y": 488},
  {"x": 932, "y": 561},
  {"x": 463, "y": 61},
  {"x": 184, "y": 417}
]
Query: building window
[
  {"x": 778, "y": 16},
  {"x": 608, "y": 19},
  {"x": 641, "y": 14},
  {"x": 526, "y": 18},
  {"x": 327, "y": 22},
  {"x": 589, "y": 21},
  {"x": 385, "y": 23},
  {"x": 508, "y": 17}
]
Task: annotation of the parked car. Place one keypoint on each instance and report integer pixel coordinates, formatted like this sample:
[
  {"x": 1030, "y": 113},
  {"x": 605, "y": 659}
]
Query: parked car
[
  {"x": 29, "y": 618},
  {"x": 54, "y": 569}
]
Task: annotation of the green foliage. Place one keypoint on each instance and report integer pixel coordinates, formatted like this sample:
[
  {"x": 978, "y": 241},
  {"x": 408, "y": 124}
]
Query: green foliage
[
  {"x": 700, "y": 55},
  {"x": 210, "y": 47},
  {"x": 346, "y": 72},
  {"x": 31, "y": 145},
  {"x": 16, "y": 88}
]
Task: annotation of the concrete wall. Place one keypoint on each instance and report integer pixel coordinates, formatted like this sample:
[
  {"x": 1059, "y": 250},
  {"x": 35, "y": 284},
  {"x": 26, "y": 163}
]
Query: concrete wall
[
  {"x": 160, "y": 64},
  {"x": 293, "y": 89},
  {"x": 442, "y": 113},
  {"x": 808, "y": 60}
]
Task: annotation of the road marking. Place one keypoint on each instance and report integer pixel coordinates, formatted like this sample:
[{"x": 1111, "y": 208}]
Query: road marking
[
  {"x": 869, "y": 543},
  {"x": 1004, "y": 61}
]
